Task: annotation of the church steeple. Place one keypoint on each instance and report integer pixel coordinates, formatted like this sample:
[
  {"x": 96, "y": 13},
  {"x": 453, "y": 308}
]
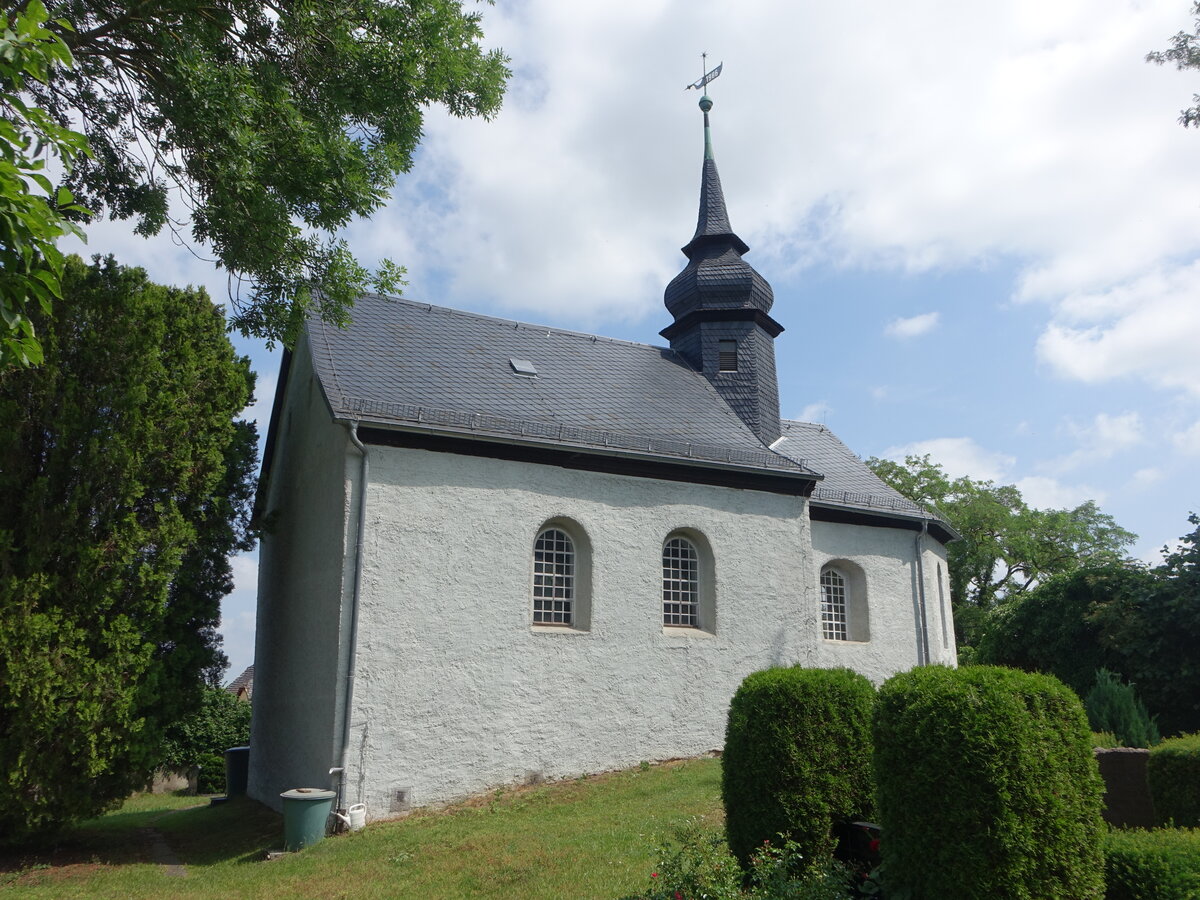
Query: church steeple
[{"x": 721, "y": 305}]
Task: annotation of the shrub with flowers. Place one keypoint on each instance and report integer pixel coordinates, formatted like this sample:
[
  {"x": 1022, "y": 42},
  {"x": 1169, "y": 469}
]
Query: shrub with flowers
[{"x": 697, "y": 865}]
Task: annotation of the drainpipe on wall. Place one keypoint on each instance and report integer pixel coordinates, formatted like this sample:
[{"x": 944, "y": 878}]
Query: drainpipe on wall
[
  {"x": 352, "y": 650},
  {"x": 923, "y": 646}
]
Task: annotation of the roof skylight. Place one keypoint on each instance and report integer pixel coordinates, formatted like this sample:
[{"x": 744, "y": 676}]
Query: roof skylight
[{"x": 522, "y": 366}]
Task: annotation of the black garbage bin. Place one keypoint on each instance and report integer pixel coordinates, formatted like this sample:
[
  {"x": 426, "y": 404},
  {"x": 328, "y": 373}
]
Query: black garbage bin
[{"x": 237, "y": 771}]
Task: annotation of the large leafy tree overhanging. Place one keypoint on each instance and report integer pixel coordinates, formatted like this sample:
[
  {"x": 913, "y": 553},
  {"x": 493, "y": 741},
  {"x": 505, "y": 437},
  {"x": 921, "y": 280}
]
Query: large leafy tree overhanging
[
  {"x": 264, "y": 127},
  {"x": 34, "y": 213},
  {"x": 1140, "y": 622},
  {"x": 1007, "y": 547},
  {"x": 124, "y": 483},
  {"x": 1184, "y": 52}
]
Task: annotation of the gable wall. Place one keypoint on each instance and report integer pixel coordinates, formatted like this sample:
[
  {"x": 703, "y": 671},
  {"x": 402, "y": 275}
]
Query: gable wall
[
  {"x": 887, "y": 559},
  {"x": 297, "y": 644},
  {"x": 457, "y": 691}
]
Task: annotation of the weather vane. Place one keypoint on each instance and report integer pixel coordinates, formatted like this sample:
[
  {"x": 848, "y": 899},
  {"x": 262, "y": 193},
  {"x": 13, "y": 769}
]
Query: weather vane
[{"x": 707, "y": 76}]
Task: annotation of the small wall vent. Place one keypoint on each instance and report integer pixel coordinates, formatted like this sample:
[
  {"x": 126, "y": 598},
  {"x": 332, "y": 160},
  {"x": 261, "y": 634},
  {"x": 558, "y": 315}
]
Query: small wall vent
[{"x": 401, "y": 800}]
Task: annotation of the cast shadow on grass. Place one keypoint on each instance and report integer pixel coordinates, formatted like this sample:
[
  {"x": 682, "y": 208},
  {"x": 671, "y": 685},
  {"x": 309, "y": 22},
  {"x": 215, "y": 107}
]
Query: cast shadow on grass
[{"x": 239, "y": 830}]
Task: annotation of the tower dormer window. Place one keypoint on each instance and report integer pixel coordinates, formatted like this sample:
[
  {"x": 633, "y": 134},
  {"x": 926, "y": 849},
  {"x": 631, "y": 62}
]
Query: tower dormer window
[{"x": 727, "y": 356}]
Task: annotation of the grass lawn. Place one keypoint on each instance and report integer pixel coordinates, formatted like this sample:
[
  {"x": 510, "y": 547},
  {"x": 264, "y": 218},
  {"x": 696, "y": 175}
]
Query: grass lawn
[{"x": 593, "y": 837}]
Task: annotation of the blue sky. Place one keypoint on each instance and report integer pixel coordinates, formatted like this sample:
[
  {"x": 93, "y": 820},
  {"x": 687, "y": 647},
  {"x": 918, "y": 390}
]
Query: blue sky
[{"x": 981, "y": 222}]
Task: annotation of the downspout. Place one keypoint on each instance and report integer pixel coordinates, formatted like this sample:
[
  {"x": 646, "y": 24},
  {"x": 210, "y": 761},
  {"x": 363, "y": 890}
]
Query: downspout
[
  {"x": 923, "y": 656},
  {"x": 352, "y": 650}
]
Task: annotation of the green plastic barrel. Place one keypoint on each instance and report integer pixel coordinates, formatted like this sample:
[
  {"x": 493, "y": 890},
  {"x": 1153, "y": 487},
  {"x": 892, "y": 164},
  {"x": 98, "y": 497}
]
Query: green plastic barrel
[
  {"x": 237, "y": 771},
  {"x": 305, "y": 812}
]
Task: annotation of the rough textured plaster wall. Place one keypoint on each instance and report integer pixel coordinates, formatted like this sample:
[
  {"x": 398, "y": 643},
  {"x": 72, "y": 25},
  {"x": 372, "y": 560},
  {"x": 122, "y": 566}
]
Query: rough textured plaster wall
[
  {"x": 296, "y": 674},
  {"x": 887, "y": 557},
  {"x": 457, "y": 691}
]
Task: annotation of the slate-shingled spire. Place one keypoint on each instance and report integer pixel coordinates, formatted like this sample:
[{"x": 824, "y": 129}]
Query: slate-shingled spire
[{"x": 721, "y": 305}]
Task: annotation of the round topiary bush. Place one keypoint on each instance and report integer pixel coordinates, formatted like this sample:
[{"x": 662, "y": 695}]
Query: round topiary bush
[
  {"x": 986, "y": 787},
  {"x": 797, "y": 758},
  {"x": 1173, "y": 771},
  {"x": 1163, "y": 864}
]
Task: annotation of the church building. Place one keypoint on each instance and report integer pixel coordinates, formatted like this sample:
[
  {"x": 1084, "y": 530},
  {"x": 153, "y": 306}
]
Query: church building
[{"x": 497, "y": 552}]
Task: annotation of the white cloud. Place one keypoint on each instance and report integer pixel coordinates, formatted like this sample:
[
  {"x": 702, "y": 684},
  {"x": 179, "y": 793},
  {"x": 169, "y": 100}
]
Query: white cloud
[
  {"x": 1188, "y": 440},
  {"x": 1147, "y": 328},
  {"x": 1104, "y": 437},
  {"x": 259, "y": 411},
  {"x": 1148, "y": 476},
  {"x": 1113, "y": 432},
  {"x": 914, "y": 326},
  {"x": 814, "y": 412},
  {"x": 960, "y": 457},
  {"x": 1025, "y": 132},
  {"x": 1050, "y": 493},
  {"x": 1009, "y": 131},
  {"x": 239, "y": 613}
]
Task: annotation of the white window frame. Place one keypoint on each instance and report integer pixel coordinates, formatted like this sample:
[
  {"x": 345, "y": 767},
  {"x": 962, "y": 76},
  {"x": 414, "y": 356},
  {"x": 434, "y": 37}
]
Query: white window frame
[
  {"x": 835, "y": 623},
  {"x": 681, "y": 583},
  {"x": 554, "y": 577}
]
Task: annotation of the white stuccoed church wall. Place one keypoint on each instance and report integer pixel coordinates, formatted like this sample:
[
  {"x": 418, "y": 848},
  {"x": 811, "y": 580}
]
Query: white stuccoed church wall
[
  {"x": 298, "y": 651},
  {"x": 457, "y": 692},
  {"x": 887, "y": 557}
]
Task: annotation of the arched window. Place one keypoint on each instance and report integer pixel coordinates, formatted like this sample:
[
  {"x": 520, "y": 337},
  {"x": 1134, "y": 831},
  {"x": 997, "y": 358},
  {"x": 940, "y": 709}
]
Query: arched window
[
  {"x": 681, "y": 583},
  {"x": 553, "y": 578},
  {"x": 833, "y": 605}
]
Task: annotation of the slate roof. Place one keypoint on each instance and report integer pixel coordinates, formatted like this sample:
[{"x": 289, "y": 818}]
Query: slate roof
[
  {"x": 848, "y": 481},
  {"x": 403, "y": 363}
]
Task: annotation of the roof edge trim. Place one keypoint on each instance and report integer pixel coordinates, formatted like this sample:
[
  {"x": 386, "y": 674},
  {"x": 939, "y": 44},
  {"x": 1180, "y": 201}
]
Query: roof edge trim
[
  {"x": 369, "y": 430},
  {"x": 824, "y": 511}
]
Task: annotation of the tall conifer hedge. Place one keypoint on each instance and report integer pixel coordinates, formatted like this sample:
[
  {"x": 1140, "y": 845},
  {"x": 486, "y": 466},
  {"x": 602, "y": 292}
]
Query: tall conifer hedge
[
  {"x": 987, "y": 787},
  {"x": 797, "y": 758},
  {"x": 125, "y": 482}
]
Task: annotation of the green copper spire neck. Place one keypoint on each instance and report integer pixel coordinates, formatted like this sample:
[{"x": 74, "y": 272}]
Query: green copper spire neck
[
  {"x": 706, "y": 104},
  {"x": 705, "y": 101}
]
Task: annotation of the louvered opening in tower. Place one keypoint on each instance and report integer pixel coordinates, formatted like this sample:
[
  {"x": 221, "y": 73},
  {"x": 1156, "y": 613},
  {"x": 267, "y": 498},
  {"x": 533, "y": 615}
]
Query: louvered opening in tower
[{"x": 727, "y": 356}]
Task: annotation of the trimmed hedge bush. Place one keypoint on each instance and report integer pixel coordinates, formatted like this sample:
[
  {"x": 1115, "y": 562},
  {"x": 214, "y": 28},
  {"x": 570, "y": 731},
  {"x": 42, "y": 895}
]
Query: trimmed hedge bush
[
  {"x": 987, "y": 787},
  {"x": 797, "y": 759},
  {"x": 1174, "y": 774},
  {"x": 1163, "y": 864},
  {"x": 212, "y": 774}
]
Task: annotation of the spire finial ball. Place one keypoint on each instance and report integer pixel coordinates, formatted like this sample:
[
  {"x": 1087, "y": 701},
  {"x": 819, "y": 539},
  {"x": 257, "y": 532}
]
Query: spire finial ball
[{"x": 706, "y": 103}]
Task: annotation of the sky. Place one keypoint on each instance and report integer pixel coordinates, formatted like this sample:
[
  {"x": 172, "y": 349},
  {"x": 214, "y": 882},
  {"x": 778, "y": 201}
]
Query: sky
[{"x": 981, "y": 222}]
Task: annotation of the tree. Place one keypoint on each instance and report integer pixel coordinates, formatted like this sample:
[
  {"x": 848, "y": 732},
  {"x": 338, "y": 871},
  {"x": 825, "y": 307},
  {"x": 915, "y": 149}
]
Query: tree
[
  {"x": 1162, "y": 640},
  {"x": 1142, "y": 624},
  {"x": 1064, "y": 626},
  {"x": 1114, "y": 707},
  {"x": 124, "y": 481},
  {"x": 219, "y": 722},
  {"x": 1184, "y": 52},
  {"x": 274, "y": 124},
  {"x": 1007, "y": 547},
  {"x": 33, "y": 213}
]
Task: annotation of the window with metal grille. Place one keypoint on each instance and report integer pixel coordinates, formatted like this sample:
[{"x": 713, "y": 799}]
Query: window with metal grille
[
  {"x": 833, "y": 606},
  {"x": 681, "y": 583},
  {"x": 553, "y": 577},
  {"x": 727, "y": 356}
]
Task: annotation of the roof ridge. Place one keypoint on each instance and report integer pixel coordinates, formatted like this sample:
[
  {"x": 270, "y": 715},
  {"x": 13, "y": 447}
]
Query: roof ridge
[{"x": 532, "y": 429}]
